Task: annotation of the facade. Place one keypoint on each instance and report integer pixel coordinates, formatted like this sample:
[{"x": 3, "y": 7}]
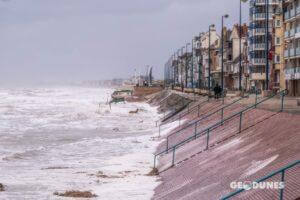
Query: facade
[
  {"x": 214, "y": 48},
  {"x": 278, "y": 76},
  {"x": 259, "y": 52},
  {"x": 235, "y": 39},
  {"x": 291, "y": 9}
]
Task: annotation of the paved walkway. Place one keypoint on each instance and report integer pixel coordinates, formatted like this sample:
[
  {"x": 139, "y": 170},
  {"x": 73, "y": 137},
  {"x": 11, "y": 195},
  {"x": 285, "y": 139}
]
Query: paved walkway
[{"x": 274, "y": 104}]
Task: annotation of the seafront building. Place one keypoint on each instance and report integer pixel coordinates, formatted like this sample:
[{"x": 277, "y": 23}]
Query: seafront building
[
  {"x": 212, "y": 46},
  {"x": 291, "y": 26},
  {"x": 188, "y": 69},
  {"x": 259, "y": 52}
]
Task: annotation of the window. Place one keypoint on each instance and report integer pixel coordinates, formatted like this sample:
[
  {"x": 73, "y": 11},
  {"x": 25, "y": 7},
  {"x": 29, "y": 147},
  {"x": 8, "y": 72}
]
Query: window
[
  {"x": 277, "y": 59},
  {"x": 277, "y": 40},
  {"x": 278, "y": 23}
]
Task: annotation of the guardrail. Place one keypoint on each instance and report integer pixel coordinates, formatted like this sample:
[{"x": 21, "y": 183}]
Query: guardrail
[
  {"x": 207, "y": 131},
  {"x": 174, "y": 109},
  {"x": 281, "y": 171},
  {"x": 196, "y": 123},
  {"x": 189, "y": 110}
]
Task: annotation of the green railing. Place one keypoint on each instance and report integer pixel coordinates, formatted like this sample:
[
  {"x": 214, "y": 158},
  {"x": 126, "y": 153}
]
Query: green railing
[
  {"x": 208, "y": 130},
  {"x": 281, "y": 171},
  {"x": 189, "y": 110},
  {"x": 174, "y": 110},
  {"x": 196, "y": 123}
]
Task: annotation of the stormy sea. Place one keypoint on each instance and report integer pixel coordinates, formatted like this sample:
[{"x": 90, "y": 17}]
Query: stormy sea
[{"x": 57, "y": 139}]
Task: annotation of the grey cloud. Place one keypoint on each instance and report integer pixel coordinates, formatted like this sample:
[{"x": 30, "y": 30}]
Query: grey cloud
[{"x": 96, "y": 39}]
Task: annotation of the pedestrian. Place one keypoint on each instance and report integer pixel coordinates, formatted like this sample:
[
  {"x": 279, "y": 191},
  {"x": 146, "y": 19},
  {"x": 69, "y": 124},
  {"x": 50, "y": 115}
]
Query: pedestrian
[{"x": 216, "y": 91}]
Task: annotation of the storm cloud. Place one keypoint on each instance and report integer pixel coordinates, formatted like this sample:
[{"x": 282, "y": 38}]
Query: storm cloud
[{"x": 95, "y": 39}]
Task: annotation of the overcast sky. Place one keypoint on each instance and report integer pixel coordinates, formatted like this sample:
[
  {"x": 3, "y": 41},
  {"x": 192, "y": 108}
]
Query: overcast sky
[{"x": 95, "y": 39}]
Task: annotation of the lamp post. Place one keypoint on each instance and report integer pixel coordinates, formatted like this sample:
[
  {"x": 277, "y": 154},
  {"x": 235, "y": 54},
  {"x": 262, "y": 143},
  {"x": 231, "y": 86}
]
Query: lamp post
[
  {"x": 267, "y": 44},
  {"x": 192, "y": 70},
  {"x": 177, "y": 66},
  {"x": 200, "y": 62},
  {"x": 240, "y": 63},
  {"x": 209, "y": 59},
  {"x": 181, "y": 70},
  {"x": 222, "y": 49},
  {"x": 186, "y": 64}
]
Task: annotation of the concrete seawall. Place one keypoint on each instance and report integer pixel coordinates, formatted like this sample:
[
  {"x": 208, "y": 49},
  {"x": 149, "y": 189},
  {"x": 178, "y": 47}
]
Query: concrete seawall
[{"x": 237, "y": 151}]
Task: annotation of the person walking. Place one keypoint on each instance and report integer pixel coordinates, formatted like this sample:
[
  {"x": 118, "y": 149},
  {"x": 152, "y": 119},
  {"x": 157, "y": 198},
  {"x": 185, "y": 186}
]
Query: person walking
[{"x": 217, "y": 91}]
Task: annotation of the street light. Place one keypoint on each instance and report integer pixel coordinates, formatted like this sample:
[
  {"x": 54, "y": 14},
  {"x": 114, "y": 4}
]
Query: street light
[
  {"x": 209, "y": 59},
  {"x": 222, "y": 39},
  {"x": 267, "y": 44},
  {"x": 177, "y": 66},
  {"x": 181, "y": 70},
  {"x": 186, "y": 64},
  {"x": 240, "y": 64},
  {"x": 192, "y": 70}
]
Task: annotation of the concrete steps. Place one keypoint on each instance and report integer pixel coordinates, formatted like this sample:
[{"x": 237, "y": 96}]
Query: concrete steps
[{"x": 270, "y": 141}]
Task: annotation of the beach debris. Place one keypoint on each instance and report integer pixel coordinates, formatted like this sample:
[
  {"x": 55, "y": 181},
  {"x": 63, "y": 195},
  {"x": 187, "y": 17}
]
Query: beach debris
[
  {"x": 101, "y": 174},
  {"x": 2, "y": 187},
  {"x": 48, "y": 168},
  {"x": 135, "y": 141},
  {"x": 116, "y": 129},
  {"x": 134, "y": 112},
  {"x": 153, "y": 172},
  {"x": 76, "y": 194},
  {"x": 141, "y": 121}
]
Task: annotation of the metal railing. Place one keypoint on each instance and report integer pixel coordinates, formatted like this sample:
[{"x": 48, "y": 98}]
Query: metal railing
[
  {"x": 189, "y": 110},
  {"x": 281, "y": 171},
  {"x": 208, "y": 130},
  {"x": 196, "y": 123},
  {"x": 173, "y": 108}
]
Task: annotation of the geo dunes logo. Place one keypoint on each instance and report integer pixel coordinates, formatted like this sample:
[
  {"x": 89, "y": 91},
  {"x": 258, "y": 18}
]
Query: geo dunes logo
[{"x": 248, "y": 185}]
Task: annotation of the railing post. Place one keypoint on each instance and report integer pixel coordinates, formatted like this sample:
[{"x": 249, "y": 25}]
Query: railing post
[
  {"x": 167, "y": 145},
  {"x": 199, "y": 110},
  {"x": 282, "y": 180},
  {"x": 188, "y": 108},
  {"x": 173, "y": 157},
  {"x": 240, "y": 127},
  {"x": 207, "y": 139},
  {"x": 223, "y": 97},
  {"x": 195, "y": 133},
  {"x": 222, "y": 116},
  {"x": 179, "y": 118},
  {"x": 282, "y": 101},
  {"x": 154, "y": 164},
  {"x": 256, "y": 96},
  {"x": 159, "y": 130}
]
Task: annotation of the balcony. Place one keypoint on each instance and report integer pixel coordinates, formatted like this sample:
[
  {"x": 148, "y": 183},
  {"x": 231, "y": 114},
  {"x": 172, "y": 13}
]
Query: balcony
[
  {"x": 287, "y": 34},
  {"x": 261, "y": 16},
  {"x": 286, "y": 54},
  {"x": 292, "y": 52},
  {"x": 263, "y": 2},
  {"x": 297, "y": 10},
  {"x": 292, "y": 32},
  {"x": 259, "y": 46},
  {"x": 287, "y": 15},
  {"x": 258, "y": 61},
  {"x": 292, "y": 73},
  {"x": 258, "y": 76},
  {"x": 298, "y": 51}
]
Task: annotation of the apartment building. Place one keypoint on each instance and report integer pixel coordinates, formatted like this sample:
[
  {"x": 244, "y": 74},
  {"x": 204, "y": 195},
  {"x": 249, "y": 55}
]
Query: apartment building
[
  {"x": 214, "y": 47},
  {"x": 257, "y": 40},
  {"x": 291, "y": 9},
  {"x": 278, "y": 75}
]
